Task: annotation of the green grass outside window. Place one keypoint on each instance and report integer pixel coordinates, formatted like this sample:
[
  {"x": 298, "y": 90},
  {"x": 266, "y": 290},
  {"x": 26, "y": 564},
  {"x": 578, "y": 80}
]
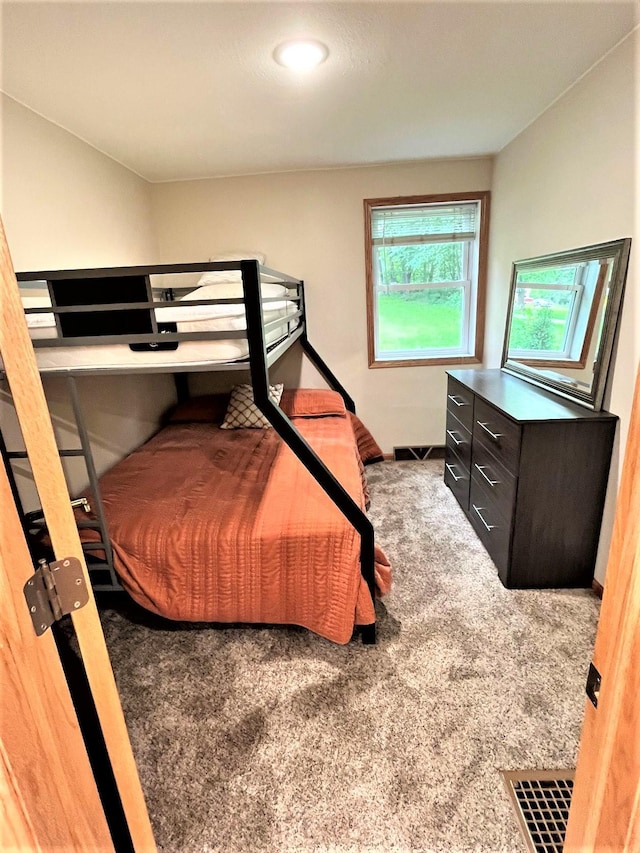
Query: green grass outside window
[{"x": 415, "y": 324}]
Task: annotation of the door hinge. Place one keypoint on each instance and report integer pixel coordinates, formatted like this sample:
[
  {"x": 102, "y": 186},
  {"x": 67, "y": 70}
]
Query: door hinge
[
  {"x": 594, "y": 680},
  {"x": 55, "y": 590}
]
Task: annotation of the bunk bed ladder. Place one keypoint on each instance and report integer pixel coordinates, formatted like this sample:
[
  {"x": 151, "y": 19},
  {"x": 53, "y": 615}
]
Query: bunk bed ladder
[
  {"x": 32, "y": 520},
  {"x": 287, "y": 431},
  {"x": 96, "y": 570}
]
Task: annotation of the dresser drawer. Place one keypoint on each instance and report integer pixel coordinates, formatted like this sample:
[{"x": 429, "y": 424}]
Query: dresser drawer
[
  {"x": 498, "y": 434},
  {"x": 491, "y": 526},
  {"x": 460, "y": 402},
  {"x": 458, "y": 439},
  {"x": 456, "y": 476},
  {"x": 494, "y": 478}
]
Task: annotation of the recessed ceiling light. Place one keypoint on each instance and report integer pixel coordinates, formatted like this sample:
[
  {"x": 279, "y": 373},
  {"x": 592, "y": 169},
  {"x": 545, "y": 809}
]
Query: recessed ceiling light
[{"x": 302, "y": 54}]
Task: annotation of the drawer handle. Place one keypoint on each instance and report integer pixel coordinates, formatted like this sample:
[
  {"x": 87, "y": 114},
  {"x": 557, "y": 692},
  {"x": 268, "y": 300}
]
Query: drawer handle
[
  {"x": 453, "y": 398},
  {"x": 453, "y": 473},
  {"x": 479, "y": 514},
  {"x": 481, "y": 468},
  {"x": 451, "y": 432},
  {"x": 494, "y": 435}
]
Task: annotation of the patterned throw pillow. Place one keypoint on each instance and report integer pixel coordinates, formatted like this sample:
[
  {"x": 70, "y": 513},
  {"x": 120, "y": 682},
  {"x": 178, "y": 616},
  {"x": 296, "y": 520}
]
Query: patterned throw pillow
[{"x": 242, "y": 412}]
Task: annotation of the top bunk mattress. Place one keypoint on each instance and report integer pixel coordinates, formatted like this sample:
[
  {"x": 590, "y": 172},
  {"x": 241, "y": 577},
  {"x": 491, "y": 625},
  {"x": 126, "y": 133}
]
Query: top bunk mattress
[{"x": 183, "y": 315}]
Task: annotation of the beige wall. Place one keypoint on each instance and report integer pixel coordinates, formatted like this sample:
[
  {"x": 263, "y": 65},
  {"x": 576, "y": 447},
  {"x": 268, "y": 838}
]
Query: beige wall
[
  {"x": 568, "y": 181},
  {"x": 310, "y": 224},
  {"x": 65, "y": 205}
]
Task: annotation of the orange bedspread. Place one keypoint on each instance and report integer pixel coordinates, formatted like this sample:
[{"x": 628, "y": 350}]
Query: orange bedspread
[{"x": 228, "y": 526}]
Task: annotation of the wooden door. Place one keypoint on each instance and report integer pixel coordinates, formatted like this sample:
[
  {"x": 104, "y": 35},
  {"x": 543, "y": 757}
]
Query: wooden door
[
  {"x": 49, "y": 798},
  {"x": 605, "y": 808},
  {"x": 30, "y": 800}
]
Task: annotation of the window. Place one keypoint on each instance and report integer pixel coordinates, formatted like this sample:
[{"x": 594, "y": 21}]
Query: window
[
  {"x": 554, "y": 312},
  {"x": 426, "y": 268}
]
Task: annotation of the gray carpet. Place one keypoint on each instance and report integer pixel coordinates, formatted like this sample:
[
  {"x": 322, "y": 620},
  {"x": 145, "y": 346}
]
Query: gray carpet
[{"x": 254, "y": 739}]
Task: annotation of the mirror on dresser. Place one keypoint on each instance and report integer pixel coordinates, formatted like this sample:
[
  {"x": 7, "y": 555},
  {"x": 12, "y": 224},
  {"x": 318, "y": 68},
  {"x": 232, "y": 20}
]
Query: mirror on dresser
[{"x": 562, "y": 319}]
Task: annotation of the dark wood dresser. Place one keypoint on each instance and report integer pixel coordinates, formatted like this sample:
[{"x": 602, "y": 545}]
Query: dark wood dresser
[{"x": 530, "y": 471}]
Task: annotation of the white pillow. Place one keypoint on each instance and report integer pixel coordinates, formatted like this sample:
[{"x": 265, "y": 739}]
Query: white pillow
[
  {"x": 220, "y": 277},
  {"x": 242, "y": 412},
  {"x": 215, "y": 276},
  {"x": 226, "y": 289},
  {"x": 217, "y": 318}
]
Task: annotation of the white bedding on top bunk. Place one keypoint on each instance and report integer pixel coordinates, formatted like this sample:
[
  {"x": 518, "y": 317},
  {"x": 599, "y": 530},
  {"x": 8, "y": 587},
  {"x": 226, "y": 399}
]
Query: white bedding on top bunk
[
  {"x": 196, "y": 318},
  {"x": 189, "y": 354}
]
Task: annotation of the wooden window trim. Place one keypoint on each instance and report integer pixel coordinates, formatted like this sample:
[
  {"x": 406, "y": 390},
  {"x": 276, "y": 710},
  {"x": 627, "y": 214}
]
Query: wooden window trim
[{"x": 484, "y": 197}]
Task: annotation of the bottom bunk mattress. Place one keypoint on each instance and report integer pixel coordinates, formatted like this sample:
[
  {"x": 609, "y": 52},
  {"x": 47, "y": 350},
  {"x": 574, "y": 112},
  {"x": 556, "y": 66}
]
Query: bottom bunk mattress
[{"x": 215, "y": 525}]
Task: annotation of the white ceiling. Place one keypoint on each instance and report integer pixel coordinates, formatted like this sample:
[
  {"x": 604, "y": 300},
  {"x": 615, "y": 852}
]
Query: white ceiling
[{"x": 188, "y": 90}]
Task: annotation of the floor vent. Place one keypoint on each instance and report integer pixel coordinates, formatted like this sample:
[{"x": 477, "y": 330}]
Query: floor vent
[
  {"x": 402, "y": 454},
  {"x": 541, "y": 799}
]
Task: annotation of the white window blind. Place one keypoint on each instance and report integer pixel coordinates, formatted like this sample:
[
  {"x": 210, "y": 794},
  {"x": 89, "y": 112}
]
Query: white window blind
[{"x": 430, "y": 223}]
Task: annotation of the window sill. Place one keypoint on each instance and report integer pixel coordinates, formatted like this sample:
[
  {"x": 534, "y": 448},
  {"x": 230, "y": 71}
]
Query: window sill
[
  {"x": 550, "y": 363},
  {"x": 426, "y": 362}
]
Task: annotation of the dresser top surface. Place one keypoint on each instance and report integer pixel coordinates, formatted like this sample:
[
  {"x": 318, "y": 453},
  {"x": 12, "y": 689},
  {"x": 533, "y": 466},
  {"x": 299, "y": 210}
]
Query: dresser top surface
[{"x": 522, "y": 401}]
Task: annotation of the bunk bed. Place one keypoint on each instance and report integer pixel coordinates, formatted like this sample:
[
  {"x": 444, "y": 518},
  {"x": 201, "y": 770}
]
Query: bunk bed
[{"x": 231, "y": 316}]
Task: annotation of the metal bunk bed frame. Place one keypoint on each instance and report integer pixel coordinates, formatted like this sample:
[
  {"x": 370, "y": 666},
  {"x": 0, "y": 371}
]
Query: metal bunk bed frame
[{"x": 260, "y": 359}]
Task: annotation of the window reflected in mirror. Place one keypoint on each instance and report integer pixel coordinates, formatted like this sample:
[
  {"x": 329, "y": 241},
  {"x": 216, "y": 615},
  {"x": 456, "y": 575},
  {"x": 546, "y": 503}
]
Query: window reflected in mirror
[
  {"x": 563, "y": 316},
  {"x": 555, "y": 313}
]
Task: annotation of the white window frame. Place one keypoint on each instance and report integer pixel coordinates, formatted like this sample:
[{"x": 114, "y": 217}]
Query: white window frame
[
  {"x": 472, "y": 284},
  {"x": 572, "y": 353},
  {"x": 570, "y": 327}
]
